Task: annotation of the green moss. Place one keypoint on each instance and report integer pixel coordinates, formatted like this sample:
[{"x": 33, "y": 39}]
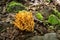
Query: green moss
[
  {"x": 59, "y": 21},
  {"x": 53, "y": 19},
  {"x": 14, "y": 7},
  {"x": 39, "y": 16},
  {"x": 56, "y": 12}
]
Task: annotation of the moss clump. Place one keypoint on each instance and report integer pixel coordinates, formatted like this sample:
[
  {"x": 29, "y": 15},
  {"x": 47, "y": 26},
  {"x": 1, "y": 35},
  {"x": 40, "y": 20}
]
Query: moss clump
[
  {"x": 39, "y": 16},
  {"x": 14, "y": 7},
  {"x": 56, "y": 12},
  {"x": 53, "y": 19},
  {"x": 24, "y": 21}
]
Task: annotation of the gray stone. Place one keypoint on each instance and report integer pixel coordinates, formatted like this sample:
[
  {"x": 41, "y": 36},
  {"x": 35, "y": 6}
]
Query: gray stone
[
  {"x": 35, "y": 38},
  {"x": 50, "y": 36},
  {"x": 58, "y": 34}
]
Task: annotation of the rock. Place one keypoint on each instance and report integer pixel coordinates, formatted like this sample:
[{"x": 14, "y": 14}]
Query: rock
[
  {"x": 35, "y": 38},
  {"x": 50, "y": 36},
  {"x": 58, "y": 34}
]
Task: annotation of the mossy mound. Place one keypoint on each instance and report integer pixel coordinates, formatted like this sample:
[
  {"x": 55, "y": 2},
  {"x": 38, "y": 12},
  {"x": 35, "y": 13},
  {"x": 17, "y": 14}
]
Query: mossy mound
[
  {"x": 53, "y": 19},
  {"x": 14, "y": 7}
]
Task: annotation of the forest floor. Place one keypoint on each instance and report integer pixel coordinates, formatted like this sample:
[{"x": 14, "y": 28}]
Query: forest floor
[{"x": 9, "y": 32}]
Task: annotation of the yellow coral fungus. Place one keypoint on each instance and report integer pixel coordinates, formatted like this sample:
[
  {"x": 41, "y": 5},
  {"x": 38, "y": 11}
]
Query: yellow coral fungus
[{"x": 24, "y": 21}]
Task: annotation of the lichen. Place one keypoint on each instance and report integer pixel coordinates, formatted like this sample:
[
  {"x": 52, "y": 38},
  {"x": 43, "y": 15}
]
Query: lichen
[{"x": 24, "y": 21}]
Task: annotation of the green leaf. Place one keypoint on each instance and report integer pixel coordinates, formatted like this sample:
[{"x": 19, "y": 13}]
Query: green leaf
[
  {"x": 53, "y": 19},
  {"x": 39, "y": 16}
]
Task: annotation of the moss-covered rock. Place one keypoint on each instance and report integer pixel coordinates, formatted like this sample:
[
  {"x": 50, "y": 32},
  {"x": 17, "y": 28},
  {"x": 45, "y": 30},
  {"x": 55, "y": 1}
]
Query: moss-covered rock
[{"x": 14, "y": 7}]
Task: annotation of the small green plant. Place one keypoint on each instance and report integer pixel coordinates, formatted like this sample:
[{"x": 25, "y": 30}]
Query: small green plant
[
  {"x": 14, "y": 7},
  {"x": 53, "y": 19},
  {"x": 39, "y": 16},
  {"x": 56, "y": 12}
]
